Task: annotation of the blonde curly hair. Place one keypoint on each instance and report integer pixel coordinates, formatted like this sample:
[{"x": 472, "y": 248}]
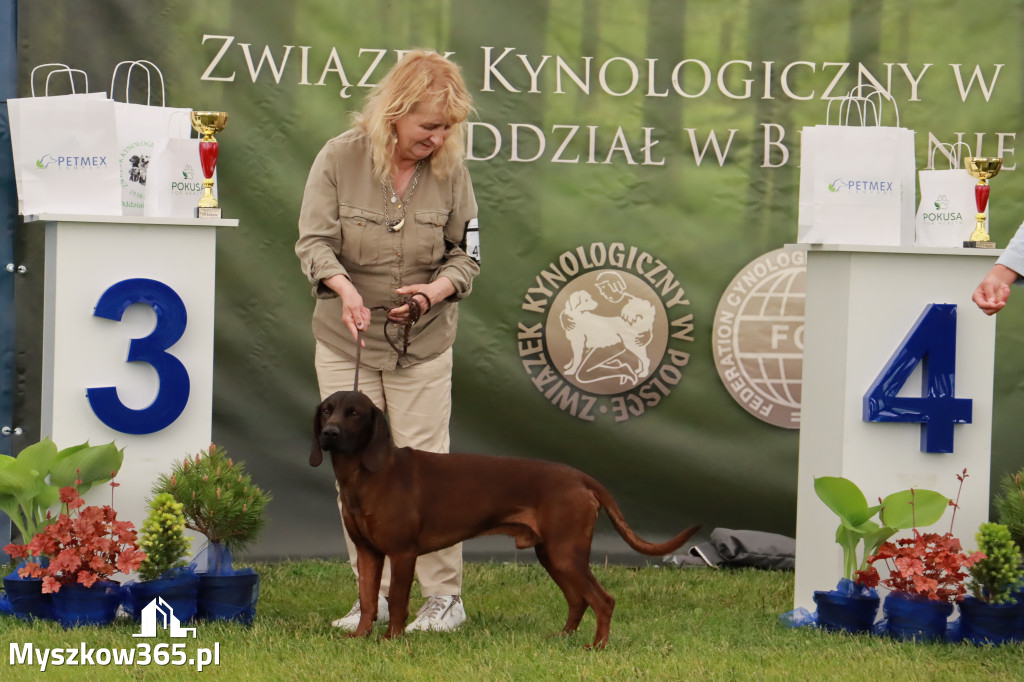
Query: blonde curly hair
[{"x": 419, "y": 77}]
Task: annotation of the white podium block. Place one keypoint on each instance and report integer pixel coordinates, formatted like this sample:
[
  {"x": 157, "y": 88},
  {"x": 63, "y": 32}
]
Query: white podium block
[
  {"x": 862, "y": 303},
  {"x": 128, "y": 342}
]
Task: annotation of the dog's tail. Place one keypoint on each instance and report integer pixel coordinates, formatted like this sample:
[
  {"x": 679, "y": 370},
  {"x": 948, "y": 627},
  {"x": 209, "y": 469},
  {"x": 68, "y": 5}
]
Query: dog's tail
[{"x": 632, "y": 539}]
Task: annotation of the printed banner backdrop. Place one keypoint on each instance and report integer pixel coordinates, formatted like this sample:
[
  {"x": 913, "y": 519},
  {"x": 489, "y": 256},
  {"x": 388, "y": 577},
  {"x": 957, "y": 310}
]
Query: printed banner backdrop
[{"x": 637, "y": 168}]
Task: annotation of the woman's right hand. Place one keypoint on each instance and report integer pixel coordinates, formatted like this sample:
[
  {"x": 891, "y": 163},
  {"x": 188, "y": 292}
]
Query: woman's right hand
[{"x": 354, "y": 314}]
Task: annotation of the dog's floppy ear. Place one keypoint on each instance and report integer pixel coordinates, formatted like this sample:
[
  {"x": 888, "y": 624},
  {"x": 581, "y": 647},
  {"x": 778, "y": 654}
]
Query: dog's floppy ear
[
  {"x": 316, "y": 455},
  {"x": 378, "y": 450}
]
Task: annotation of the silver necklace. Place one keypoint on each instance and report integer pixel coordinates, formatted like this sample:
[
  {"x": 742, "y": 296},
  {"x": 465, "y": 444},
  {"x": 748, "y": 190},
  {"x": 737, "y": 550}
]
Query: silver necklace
[{"x": 391, "y": 197}]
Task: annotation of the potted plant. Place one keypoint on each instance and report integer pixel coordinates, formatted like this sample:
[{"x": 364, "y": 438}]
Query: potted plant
[
  {"x": 30, "y": 486},
  {"x": 86, "y": 547},
  {"x": 1009, "y": 505},
  {"x": 164, "y": 573},
  {"x": 852, "y": 606},
  {"x": 927, "y": 574},
  {"x": 993, "y": 612},
  {"x": 220, "y": 501}
]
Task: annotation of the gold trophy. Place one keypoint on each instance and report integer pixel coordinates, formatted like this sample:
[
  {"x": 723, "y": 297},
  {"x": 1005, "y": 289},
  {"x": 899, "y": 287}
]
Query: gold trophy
[
  {"x": 206, "y": 123},
  {"x": 983, "y": 168}
]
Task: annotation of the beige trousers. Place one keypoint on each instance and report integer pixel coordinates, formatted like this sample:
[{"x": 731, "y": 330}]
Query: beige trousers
[{"x": 418, "y": 403}]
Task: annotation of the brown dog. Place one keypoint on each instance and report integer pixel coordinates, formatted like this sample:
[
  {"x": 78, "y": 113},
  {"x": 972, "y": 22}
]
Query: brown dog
[{"x": 401, "y": 503}]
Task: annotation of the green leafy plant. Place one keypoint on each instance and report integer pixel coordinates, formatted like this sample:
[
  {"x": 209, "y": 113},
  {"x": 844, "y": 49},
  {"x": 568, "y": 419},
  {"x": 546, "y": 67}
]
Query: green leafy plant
[
  {"x": 1009, "y": 504},
  {"x": 859, "y": 534},
  {"x": 30, "y": 483},
  {"x": 929, "y": 565},
  {"x": 163, "y": 537},
  {"x": 218, "y": 498},
  {"x": 84, "y": 544},
  {"x": 998, "y": 575}
]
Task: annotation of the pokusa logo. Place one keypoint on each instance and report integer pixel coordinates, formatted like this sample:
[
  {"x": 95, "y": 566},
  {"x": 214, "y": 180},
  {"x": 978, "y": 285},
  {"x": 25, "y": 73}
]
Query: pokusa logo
[
  {"x": 73, "y": 163},
  {"x": 942, "y": 215},
  {"x": 862, "y": 186},
  {"x": 606, "y": 332},
  {"x": 188, "y": 184}
]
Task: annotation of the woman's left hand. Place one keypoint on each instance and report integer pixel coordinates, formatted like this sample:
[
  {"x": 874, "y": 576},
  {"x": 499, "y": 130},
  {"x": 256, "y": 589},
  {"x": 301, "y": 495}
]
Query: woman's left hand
[{"x": 437, "y": 290}]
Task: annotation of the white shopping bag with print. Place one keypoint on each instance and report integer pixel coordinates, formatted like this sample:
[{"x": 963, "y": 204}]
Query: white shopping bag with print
[
  {"x": 175, "y": 179},
  {"x": 139, "y": 127},
  {"x": 64, "y": 149},
  {"x": 946, "y": 215},
  {"x": 857, "y": 182}
]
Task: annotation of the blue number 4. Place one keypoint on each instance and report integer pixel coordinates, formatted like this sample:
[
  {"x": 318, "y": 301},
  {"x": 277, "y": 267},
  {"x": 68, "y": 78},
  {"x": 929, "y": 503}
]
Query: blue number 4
[{"x": 932, "y": 344}]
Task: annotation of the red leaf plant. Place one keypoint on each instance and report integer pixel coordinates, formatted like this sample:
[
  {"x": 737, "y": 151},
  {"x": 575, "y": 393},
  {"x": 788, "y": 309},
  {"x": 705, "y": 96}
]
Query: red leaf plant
[
  {"x": 84, "y": 544},
  {"x": 930, "y": 565}
]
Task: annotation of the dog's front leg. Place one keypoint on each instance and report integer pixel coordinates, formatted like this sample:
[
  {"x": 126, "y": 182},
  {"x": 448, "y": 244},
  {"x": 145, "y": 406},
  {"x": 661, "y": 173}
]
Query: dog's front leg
[
  {"x": 370, "y": 564},
  {"x": 402, "y": 569}
]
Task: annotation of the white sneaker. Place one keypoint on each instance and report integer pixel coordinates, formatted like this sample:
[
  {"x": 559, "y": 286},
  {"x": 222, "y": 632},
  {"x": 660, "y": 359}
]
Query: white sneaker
[
  {"x": 439, "y": 614},
  {"x": 350, "y": 621}
]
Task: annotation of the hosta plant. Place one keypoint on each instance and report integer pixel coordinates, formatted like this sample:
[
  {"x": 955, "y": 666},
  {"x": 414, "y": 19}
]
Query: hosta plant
[
  {"x": 858, "y": 533},
  {"x": 30, "y": 483}
]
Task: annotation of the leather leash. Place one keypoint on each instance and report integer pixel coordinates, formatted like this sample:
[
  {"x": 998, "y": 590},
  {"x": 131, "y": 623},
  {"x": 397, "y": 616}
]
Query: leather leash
[{"x": 414, "y": 317}]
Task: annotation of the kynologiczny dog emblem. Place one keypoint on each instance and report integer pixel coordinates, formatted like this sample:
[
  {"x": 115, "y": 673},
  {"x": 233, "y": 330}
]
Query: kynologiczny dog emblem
[
  {"x": 606, "y": 331},
  {"x": 758, "y": 337}
]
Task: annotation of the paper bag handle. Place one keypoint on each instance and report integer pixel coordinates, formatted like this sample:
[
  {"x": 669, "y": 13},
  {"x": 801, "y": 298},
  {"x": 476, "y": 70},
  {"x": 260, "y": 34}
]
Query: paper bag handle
[
  {"x": 64, "y": 68},
  {"x": 951, "y": 152},
  {"x": 861, "y": 97},
  {"x": 145, "y": 65}
]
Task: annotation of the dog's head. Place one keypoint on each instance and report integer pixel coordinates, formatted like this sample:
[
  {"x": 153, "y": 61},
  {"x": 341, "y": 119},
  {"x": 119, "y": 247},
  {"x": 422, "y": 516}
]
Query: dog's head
[
  {"x": 580, "y": 301},
  {"x": 348, "y": 423}
]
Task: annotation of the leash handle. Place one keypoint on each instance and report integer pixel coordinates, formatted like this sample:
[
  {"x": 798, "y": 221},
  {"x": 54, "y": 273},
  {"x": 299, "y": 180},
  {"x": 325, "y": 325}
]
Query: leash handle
[{"x": 414, "y": 317}]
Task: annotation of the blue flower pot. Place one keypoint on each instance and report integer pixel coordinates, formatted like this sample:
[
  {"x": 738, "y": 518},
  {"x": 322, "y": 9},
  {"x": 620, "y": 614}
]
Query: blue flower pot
[
  {"x": 910, "y": 617},
  {"x": 846, "y": 612},
  {"x": 229, "y": 597},
  {"x": 26, "y": 598},
  {"x": 75, "y": 605},
  {"x": 983, "y": 623},
  {"x": 181, "y": 592}
]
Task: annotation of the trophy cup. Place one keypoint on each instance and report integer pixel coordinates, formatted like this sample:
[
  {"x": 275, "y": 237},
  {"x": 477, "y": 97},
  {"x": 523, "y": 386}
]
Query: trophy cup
[
  {"x": 206, "y": 123},
  {"x": 983, "y": 168}
]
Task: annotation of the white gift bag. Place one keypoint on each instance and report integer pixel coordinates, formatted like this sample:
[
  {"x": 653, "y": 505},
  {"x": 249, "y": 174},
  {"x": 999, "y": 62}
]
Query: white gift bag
[
  {"x": 857, "y": 181},
  {"x": 64, "y": 149},
  {"x": 139, "y": 127},
  {"x": 946, "y": 215},
  {"x": 175, "y": 179}
]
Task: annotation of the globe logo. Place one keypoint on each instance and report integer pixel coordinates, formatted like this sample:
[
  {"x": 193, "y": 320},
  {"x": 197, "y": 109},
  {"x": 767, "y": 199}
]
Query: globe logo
[{"x": 758, "y": 337}]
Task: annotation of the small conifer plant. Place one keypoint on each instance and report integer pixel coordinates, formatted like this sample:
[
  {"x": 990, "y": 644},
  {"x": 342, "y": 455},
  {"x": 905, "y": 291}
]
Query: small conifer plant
[
  {"x": 218, "y": 498},
  {"x": 1009, "y": 504},
  {"x": 998, "y": 575},
  {"x": 163, "y": 537}
]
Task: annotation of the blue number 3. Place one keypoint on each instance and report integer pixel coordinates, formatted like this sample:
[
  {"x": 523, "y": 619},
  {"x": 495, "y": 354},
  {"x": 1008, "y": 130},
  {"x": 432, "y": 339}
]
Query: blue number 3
[
  {"x": 932, "y": 344},
  {"x": 172, "y": 395}
]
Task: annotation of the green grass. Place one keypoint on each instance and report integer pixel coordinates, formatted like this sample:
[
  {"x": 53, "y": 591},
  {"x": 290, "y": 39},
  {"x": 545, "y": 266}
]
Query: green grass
[{"x": 669, "y": 624}]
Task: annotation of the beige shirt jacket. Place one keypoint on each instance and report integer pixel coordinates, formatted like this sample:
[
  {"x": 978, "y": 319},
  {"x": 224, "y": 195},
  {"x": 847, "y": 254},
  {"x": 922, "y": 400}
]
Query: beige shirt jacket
[{"x": 341, "y": 231}]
